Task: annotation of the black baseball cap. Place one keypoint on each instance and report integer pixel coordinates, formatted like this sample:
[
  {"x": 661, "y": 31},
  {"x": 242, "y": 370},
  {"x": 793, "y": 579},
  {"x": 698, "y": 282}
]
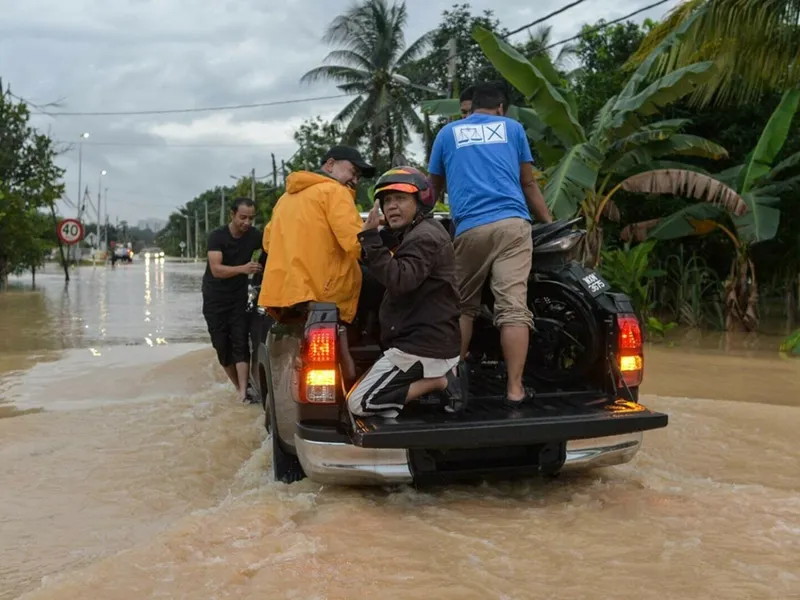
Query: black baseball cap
[{"x": 353, "y": 155}]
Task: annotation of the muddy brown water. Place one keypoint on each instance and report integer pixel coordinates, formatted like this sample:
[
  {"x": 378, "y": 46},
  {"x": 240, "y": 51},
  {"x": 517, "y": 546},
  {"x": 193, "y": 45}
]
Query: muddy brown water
[{"x": 129, "y": 471}]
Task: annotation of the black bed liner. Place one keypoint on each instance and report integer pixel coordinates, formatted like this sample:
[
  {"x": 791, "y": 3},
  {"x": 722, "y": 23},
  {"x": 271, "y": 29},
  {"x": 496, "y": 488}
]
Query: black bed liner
[{"x": 556, "y": 416}]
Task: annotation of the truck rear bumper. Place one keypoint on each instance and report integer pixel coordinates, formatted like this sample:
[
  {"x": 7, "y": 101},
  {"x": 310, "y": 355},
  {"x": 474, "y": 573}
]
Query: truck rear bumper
[{"x": 345, "y": 464}]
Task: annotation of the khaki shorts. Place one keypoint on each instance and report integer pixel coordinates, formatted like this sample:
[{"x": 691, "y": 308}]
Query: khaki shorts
[{"x": 503, "y": 251}]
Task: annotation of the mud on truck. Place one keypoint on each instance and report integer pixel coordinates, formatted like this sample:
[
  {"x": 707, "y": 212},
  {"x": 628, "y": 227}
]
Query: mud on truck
[{"x": 584, "y": 368}]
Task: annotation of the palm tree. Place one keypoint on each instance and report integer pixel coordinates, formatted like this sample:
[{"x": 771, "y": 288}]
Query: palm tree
[
  {"x": 369, "y": 62},
  {"x": 539, "y": 42},
  {"x": 755, "y": 45}
]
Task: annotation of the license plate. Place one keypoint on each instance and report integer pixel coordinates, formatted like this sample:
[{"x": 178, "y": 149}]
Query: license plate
[{"x": 594, "y": 284}]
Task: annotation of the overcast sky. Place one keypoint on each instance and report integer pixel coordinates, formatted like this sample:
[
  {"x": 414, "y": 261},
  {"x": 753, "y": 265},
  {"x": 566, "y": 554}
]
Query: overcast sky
[{"x": 133, "y": 55}]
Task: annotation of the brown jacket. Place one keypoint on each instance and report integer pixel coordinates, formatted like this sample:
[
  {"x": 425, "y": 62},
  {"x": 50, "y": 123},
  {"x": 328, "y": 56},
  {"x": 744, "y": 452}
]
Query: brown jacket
[{"x": 420, "y": 310}]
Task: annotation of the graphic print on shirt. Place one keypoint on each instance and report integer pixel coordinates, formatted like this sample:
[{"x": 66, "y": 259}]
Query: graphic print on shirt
[{"x": 486, "y": 133}]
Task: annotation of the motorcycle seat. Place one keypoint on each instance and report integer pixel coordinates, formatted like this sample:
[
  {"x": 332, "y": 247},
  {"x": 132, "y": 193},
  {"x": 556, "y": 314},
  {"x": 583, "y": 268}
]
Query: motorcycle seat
[{"x": 540, "y": 229}]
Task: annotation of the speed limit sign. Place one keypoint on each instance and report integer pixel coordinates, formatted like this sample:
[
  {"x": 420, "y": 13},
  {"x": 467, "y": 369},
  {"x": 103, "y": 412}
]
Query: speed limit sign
[{"x": 70, "y": 231}]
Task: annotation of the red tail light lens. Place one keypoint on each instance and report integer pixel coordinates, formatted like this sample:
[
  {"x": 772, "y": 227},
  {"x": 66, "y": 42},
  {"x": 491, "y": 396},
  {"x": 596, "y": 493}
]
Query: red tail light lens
[
  {"x": 318, "y": 383},
  {"x": 321, "y": 345},
  {"x": 629, "y": 350},
  {"x": 630, "y": 333}
]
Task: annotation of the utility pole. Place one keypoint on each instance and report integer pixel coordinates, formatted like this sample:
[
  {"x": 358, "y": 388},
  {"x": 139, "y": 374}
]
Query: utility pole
[
  {"x": 188, "y": 238},
  {"x": 274, "y": 171},
  {"x": 105, "y": 231},
  {"x": 222, "y": 209},
  {"x": 205, "y": 226},
  {"x": 99, "y": 224},
  {"x": 452, "y": 61},
  {"x": 196, "y": 237},
  {"x": 253, "y": 185}
]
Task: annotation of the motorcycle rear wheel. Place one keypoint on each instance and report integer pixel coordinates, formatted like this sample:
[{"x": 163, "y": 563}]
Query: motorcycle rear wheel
[{"x": 565, "y": 344}]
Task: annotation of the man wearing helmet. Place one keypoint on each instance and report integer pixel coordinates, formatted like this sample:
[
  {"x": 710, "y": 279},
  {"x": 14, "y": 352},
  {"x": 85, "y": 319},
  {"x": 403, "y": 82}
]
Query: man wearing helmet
[
  {"x": 485, "y": 163},
  {"x": 419, "y": 313}
]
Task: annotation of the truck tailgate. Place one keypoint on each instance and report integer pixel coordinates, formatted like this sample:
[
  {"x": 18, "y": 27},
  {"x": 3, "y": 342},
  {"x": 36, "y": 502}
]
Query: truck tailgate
[{"x": 488, "y": 423}]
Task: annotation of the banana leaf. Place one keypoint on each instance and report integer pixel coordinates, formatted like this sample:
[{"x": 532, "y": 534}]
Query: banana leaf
[
  {"x": 657, "y": 165},
  {"x": 673, "y": 125},
  {"x": 780, "y": 188},
  {"x": 542, "y": 95},
  {"x": 759, "y": 162},
  {"x": 730, "y": 176},
  {"x": 640, "y": 138},
  {"x": 547, "y": 147},
  {"x": 573, "y": 177},
  {"x": 676, "y": 145},
  {"x": 447, "y": 107},
  {"x": 760, "y": 222},
  {"x": 784, "y": 167},
  {"x": 688, "y": 221},
  {"x": 689, "y": 185},
  {"x": 660, "y": 93}
]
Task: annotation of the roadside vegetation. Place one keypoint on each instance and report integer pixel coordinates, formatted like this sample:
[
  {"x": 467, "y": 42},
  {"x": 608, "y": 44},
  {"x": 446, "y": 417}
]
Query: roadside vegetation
[{"x": 678, "y": 142}]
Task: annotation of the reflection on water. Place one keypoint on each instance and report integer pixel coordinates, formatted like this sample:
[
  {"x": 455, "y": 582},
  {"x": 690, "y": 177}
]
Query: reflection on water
[
  {"x": 102, "y": 307},
  {"x": 143, "y": 477},
  {"x": 151, "y": 303}
]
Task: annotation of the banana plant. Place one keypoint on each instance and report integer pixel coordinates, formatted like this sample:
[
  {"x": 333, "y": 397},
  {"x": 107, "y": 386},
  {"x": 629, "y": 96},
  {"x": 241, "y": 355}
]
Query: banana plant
[
  {"x": 739, "y": 202},
  {"x": 588, "y": 165}
]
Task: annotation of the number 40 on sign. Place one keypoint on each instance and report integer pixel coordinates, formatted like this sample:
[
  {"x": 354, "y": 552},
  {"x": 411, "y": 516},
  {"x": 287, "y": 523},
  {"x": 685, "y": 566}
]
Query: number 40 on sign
[{"x": 70, "y": 231}]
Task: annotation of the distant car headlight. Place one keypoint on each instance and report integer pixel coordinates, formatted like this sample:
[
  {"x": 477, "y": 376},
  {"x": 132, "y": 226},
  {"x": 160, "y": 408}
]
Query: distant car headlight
[{"x": 147, "y": 255}]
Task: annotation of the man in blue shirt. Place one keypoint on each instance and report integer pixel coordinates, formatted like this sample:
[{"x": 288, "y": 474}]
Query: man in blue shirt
[{"x": 485, "y": 163}]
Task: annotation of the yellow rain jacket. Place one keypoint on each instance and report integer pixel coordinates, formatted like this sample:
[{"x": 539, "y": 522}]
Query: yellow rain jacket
[{"x": 311, "y": 245}]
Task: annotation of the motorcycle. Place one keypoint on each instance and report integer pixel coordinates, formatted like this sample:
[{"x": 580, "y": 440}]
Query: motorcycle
[{"x": 571, "y": 308}]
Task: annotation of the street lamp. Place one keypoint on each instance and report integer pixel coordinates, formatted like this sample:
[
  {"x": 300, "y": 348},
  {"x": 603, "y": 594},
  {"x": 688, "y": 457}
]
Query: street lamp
[
  {"x": 99, "y": 211},
  {"x": 76, "y": 249},
  {"x": 80, "y": 169}
]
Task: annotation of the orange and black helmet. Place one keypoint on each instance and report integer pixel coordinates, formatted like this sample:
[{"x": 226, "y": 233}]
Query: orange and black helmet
[{"x": 408, "y": 180}]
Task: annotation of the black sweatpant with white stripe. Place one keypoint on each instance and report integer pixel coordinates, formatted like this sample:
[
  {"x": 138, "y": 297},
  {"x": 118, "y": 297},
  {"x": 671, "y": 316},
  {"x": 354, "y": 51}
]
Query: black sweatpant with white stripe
[{"x": 383, "y": 389}]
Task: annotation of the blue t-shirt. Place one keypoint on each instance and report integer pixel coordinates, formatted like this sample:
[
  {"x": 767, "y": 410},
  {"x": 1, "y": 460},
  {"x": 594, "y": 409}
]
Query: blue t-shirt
[{"x": 480, "y": 157}]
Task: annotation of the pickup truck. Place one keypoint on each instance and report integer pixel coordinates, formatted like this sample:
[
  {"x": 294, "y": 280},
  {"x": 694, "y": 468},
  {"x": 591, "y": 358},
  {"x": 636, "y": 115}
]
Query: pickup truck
[{"x": 585, "y": 365}]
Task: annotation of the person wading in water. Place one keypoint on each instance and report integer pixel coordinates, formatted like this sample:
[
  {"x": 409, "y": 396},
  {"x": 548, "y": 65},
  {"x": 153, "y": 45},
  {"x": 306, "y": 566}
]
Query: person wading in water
[{"x": 230, "y": 263}]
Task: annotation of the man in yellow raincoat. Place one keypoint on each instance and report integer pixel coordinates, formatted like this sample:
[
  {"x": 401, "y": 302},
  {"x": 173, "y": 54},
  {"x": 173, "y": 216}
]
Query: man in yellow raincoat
[{"x": 311, "y": 240}]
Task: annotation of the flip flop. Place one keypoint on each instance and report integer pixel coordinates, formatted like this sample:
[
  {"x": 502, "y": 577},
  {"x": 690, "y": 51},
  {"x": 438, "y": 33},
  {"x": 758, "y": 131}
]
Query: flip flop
[{"x": 517, "y": 403}]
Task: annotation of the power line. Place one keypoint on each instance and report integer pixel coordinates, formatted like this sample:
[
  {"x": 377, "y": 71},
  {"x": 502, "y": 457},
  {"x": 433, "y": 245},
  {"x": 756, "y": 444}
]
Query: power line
[
  {"x": 259, "y": 104},
  {"x": 168, "y": 145},
  {"x": 181, "y": 110},
  {"x": 547, "y": 17},
  {"x": 604, "y": 25}
]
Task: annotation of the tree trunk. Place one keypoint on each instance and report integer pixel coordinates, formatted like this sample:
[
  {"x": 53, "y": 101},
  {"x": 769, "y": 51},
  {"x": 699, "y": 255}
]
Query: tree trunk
[
  {"x": 60, "y": 245},
  {"x": 791, "y": 302},
  {"x": 741, "y": 295},
  {"x": 427, "y": 137},
  {"x": 392, "y": 150},
  {"x": 33, "y": 276}
]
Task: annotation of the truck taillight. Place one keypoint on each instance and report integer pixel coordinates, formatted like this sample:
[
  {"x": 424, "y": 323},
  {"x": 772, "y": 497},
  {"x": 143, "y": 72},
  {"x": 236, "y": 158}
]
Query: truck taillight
[
  {"x": 630, "y": 352},
  {"x": 321, "y": 345},
  {"x": 319, "y": 366}
]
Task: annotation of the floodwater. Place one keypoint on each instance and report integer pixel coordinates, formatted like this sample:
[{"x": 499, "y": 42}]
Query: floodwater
[{"x": 129, "y": 471}]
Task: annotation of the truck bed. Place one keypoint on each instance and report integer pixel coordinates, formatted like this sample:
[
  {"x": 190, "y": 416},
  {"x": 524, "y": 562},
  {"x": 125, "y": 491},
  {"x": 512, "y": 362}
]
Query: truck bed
[{"x": 553, "y": 416}]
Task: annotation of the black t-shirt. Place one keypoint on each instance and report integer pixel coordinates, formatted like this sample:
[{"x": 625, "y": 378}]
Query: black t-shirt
[{"x": 235, "y": 252}]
